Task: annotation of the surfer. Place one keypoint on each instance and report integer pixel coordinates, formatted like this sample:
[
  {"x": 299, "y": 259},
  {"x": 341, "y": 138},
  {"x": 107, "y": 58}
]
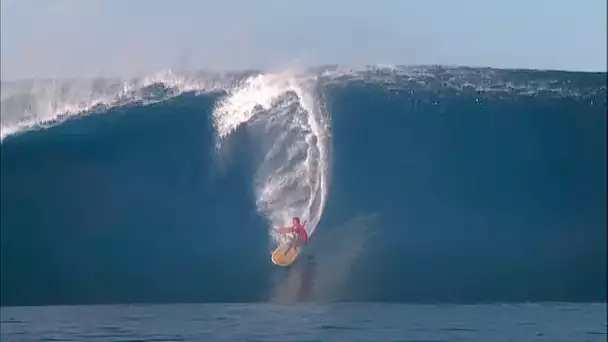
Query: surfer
[{"x": 298, "y": 229}]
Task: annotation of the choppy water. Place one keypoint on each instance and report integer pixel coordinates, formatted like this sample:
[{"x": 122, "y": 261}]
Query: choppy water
[{"x": 307, "y": 322}]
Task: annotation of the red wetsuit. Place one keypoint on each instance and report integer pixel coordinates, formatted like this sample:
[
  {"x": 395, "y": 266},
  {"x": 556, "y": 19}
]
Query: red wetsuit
[{"x": 298, "y": 229}]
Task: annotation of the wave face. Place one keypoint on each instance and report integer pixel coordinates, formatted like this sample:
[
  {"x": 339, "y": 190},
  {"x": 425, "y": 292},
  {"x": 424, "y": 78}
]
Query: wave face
[{"x": 417, "y": 184}]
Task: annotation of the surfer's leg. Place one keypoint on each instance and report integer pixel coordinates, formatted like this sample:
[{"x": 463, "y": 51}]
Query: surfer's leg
[{"x": 293, "y": 246}]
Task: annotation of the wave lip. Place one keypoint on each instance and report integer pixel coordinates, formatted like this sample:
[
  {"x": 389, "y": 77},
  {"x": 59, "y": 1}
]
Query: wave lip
[{"x": 38, "y": 104}]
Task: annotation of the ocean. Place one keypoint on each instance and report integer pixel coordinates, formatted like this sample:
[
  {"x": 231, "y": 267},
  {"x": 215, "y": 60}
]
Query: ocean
[
  {"x": 354, "y": 322},
  {"x": 442, "y": 203}
]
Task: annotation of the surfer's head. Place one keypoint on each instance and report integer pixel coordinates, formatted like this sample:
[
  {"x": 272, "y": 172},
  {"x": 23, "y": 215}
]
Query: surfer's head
[{"x": 296, "y": 220}]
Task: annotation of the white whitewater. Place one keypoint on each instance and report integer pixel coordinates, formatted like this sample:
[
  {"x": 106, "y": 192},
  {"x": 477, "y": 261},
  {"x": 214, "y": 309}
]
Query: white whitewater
[
  {"x": 37, "y": 104},
  {"x": 291, "y": 136}
]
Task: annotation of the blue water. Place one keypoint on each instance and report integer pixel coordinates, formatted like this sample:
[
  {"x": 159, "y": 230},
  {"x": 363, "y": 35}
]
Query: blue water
[
  {"x": 420, "y": 186},
  {"x": 307, "y": 322}
]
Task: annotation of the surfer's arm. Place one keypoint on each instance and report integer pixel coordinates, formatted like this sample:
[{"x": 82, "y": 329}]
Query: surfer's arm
[{"x": 284, "y": 230}]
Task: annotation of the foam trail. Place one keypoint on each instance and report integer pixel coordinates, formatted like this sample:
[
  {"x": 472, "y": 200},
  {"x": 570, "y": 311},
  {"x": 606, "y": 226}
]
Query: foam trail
[{"x": 291, "y": 138}]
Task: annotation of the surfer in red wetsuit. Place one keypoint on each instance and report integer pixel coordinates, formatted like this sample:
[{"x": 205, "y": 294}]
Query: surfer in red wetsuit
[{"x": 298, "y": 229}]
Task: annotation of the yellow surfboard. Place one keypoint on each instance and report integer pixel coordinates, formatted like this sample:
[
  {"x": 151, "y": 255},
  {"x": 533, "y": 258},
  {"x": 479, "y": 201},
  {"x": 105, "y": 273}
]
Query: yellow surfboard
[{"x": 284, "y": 255}]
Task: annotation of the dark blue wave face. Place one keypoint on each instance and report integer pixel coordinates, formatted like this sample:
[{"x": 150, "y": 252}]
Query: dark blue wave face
[
  {"x": 480, "y": 197},
  {"x": 436, "y": 196}
]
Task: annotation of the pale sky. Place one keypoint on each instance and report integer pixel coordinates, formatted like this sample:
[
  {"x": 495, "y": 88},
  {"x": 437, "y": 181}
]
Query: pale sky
[{"x": 83, "y": 38}]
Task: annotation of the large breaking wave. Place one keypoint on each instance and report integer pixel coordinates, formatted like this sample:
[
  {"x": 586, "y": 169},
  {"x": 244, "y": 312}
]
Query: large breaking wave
[{"x": 419, "y": 184}]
